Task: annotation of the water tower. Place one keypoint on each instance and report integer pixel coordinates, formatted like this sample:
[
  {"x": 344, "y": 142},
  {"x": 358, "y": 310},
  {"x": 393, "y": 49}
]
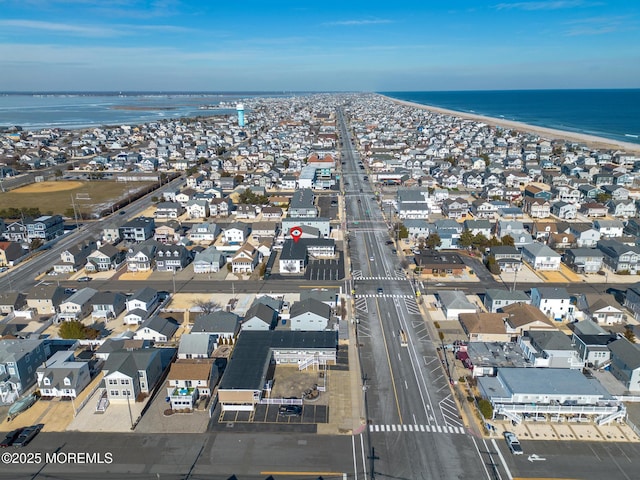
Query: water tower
[{"x": 240, "y": 109}]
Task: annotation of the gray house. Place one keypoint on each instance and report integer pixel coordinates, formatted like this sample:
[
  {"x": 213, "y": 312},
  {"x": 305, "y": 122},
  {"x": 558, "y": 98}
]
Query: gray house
[
  {"x": 208, "y": 261},
  {"x": 157, "y": 329},
  {"x": 129, "y": 373},
  {"x": 62, "y": 376},
  {"x": 310, "y": 315},
  {"x": 497, "y": 298},
  {"x": 584, "y": 260},
  {"x": 19, "y": 360},
  {"x": 107, "y": 305},
  {"x": 193, "y": 345},
  {"x": 219, "y": 323},
  {"x": 551, "y": 349},
  {"x": 260, "y": 317},
  {"x": 625, "y": 363}
]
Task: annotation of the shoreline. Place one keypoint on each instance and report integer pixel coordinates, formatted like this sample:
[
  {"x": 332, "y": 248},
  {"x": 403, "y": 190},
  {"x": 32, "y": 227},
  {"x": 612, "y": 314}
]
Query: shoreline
[{"x": 600, "y": 143}]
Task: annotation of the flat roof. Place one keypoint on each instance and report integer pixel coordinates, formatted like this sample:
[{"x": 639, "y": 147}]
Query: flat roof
[
  {"x": 250, "y": 358},
  {"x": 549, "y": 381}
]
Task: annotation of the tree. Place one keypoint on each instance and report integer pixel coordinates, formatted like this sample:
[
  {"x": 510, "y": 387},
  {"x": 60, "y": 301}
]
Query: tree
[
  {"x": 466, "y": 238},
  {"x": 57, "y": 173},
  {"x": 603, "y": 197},
  {"x": 207, "y": 306},
  {"x": 433, "y": 241},
  {"x": 403, "y": 232},
  {"x": 35, "y": 244},
  {"x": 507, "y": 241},
  {"x": 239, "y": 178},
  {"x": 629, "y": 335},
  {"x": 485, "y": 407},
  {"x": 75, "y": 329},
  {"x": 492, "y": 265},
  {"x": 480, "y": 241}
]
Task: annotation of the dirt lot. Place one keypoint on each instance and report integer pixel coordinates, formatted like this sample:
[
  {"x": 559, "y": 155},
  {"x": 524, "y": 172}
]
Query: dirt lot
[
  {"x": 291, "y": 382},
  {"x": 55, "y": 197}
]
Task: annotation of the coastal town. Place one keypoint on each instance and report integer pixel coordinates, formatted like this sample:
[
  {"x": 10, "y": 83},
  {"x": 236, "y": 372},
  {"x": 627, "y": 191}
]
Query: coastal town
[{"x": 253, "y": 267}]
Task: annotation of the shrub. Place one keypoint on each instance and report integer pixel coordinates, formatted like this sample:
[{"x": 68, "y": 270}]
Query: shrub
[{"x": 485, "y": 408}]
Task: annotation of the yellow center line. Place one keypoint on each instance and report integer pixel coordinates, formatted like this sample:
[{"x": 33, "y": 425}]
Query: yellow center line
[{"x": 386, "y": 349}]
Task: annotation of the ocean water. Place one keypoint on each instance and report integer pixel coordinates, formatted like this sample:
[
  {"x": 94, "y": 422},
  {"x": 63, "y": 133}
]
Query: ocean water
[
  {"x": 613, "y": 114},
  {"x": 70, "y": 111}
]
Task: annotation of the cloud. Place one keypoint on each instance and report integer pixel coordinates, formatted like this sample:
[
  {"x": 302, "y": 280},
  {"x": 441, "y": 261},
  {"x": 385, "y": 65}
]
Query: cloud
[
  {"x": 66, "y": 28},
  {"x": 357, "y": 23},
  {"x": 545, "y": 5},
  {"x": 596, "y": 26}
]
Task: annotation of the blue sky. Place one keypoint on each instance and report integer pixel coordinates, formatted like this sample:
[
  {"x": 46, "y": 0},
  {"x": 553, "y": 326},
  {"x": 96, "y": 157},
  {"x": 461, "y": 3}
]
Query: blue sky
[{"x": 218, "y": 45}]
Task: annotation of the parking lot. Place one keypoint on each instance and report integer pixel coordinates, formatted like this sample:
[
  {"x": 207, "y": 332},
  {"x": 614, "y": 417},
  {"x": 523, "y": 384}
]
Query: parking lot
[
  {"x": 268, "y": 414},
  {"x": 325, "y": 269}
]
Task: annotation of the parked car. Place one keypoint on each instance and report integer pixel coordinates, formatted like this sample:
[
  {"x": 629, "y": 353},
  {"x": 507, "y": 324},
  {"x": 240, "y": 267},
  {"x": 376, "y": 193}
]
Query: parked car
[
  {"x": 290, "y": 410},
  {"x": 513, "y": 443},
  {"x": 380, "y": 290},
  {"x": 10, "y": 438},
  {"x": 3, "y": 269},
  {"x": 27, "y": 435},
  {"x": 84, "y": 279}
]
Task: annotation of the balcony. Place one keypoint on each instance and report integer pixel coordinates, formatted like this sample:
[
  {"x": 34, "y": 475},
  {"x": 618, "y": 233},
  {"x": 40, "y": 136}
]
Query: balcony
[{"x": 184, "y": 392}]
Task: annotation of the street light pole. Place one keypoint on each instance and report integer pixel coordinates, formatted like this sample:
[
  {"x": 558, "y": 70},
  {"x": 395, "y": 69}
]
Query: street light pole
[{"x": 129, "y": 407}]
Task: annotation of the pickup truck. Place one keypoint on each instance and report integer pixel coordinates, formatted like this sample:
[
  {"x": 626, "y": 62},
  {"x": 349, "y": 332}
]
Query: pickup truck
[{"x": 513, "y": 443}]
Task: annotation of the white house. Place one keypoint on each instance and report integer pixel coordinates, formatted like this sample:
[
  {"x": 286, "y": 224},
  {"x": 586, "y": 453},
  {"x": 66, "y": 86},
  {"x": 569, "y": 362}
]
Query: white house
[
  {"x": 554, "y": 302},
  {"x": 541, "y": 257}
]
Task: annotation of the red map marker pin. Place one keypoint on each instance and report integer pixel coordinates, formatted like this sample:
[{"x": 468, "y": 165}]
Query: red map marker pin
[{"x": 296, "y": 233}]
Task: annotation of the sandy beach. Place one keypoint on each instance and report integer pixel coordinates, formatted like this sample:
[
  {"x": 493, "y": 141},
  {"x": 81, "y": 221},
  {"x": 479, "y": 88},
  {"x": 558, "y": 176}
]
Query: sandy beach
[{"x": 546, "y": 133}]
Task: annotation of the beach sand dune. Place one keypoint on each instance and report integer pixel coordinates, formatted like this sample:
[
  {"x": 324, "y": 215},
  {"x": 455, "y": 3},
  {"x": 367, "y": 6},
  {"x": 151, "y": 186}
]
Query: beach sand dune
[{"x": 546, "y": 133}]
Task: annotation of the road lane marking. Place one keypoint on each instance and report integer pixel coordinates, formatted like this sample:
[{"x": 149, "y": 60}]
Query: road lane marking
[{"x": 355, "y": 463}]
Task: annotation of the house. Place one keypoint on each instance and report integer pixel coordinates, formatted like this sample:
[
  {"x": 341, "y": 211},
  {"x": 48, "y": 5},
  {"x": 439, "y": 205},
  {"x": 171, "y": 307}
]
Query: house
[
  {"x": 16, "y": 232},
  {"x": 137, "y": 229},
  {"x": 508, "y": 258},
  {"x": 157, "y": 329},
  {"x": 190, "y": 380},
  {"x": 63, "y": 376},
  {"x": 264, "y": 230},
  {"x": 439, "y": 263},
  {"x": 78, "y": 305},
  {"x": 549, "y": 349},
  {"x": 141, "y": 257},
  {"x": 584, "y": 260},
  {"x": 236, "y": 233},
  {"x": 193, "y": 345},
  {"x": 609, "y": 228},
  {"x": 111, "y": 233},
  {"x": 600, "y": 308},
  {"x": 113, "y": 344},
  {"x": 140, "y": 305},
  {"x": 168, "y": 210},
  {"x": 168, "y": 233},
  {"x": 564, "y": 210},
  {"x": 220, "y": 207},
  {"x": 10, "y": 253},
  {"x": 586, "y": 235},
  {"x": 246, "y": 259},
  {"x": 620, "y": 257},
  {"x": 198, "y": 208},
  {"x": 455, "y": 208},
  {"x": 310, "y": 315},
  {"x": 484, "y": 327},
  {"x": 537, "y": 207},
  {"x": 561, "y": 241},
  {"x": 11, "y": 301},
  {"x": 107, "y": 305},
  {"x": 523, "y": 317},
  {"x": 244, "y": 378},
  {"x": 302, "y": 204},
  {"x": 19, "y": 360},
  {"x": 329, "y": 296},
  {"x": 223, "y": 325},
  {"x": 479, "y": 227},
  {"x": 625, "y": 363},
  {"x": 172, "y": 258},
  {"x": 247, "y": 211},
  {"x": 104, "y": 258},
  {"x": 45, "y": 228},
  {"x": 594, "y": 209},
  {"x": 205, "y": 232},
  {"x": 209, "y": 260},
  {"x": 45, "y": 299},
  {"x": 541, "y": 257},
  {"x": 260, "y": 317},
  {"x": 591, "y": 342},
  {"x": 555, "y": 302},
  {"x": 496, "y": 299},
  {"x": 622, "y": 208},
  {"x": 130, "y": 373},
  {"x": 74, "y": 258},
  {"x": 453, "y": 303},
  {"x": 272, "y": 213}
]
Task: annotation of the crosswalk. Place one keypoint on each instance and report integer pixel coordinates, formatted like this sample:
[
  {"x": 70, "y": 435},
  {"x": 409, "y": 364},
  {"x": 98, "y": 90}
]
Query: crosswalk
[
  {"x": 390, "y": 277},
  {"x": 418, "y": 428},
  {"x": 382, "y": 295}
]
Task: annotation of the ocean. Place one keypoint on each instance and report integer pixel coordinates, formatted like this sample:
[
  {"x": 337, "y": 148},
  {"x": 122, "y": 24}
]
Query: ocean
[
  {"x": 80, "y": 110},
  {"x": 613, "y": 114}
]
